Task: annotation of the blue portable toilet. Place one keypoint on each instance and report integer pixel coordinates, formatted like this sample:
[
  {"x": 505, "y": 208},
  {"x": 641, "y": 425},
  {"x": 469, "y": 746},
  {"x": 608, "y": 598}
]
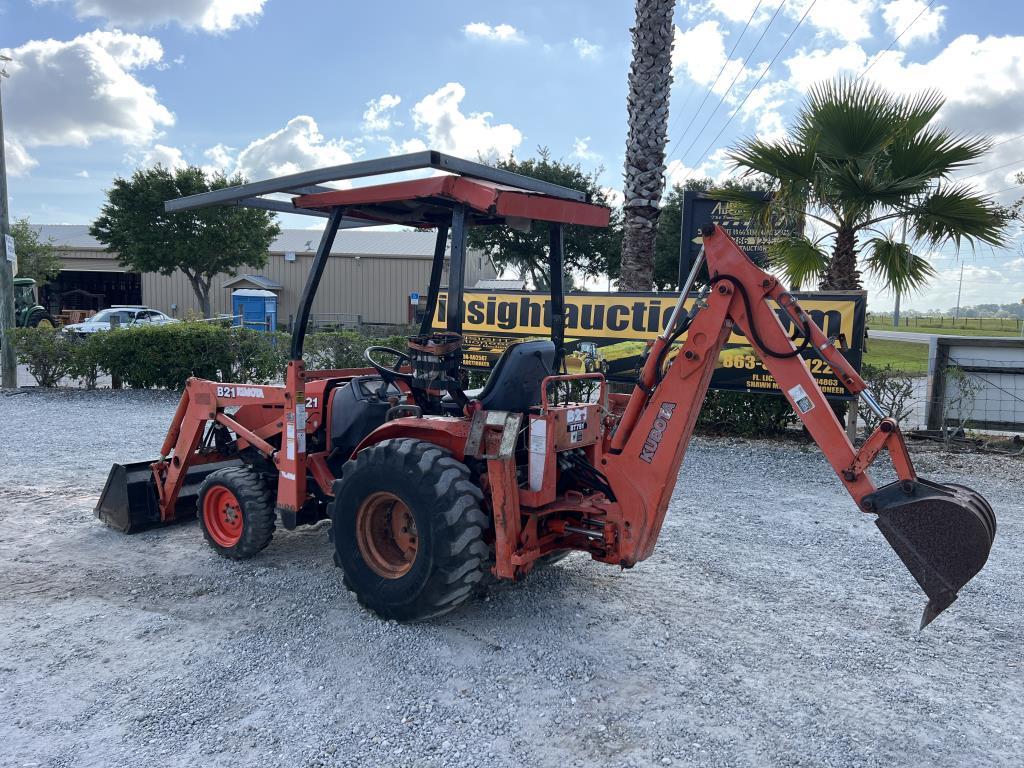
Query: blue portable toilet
[{"x": 254, "y": 309}]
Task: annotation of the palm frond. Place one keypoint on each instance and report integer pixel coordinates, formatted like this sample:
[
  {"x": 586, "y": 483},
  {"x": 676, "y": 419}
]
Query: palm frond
[
  {"x": 744, "y": 204},
  {"x": 868, "y": 182},
  {"x": 954, "y": 212},
  {"x": 930, "y": 154},
  {"x": 847, "y": 119},
  {"x": 783, "y": 160},
  {"x": 799, "y": 260},
  {"x": 915, "y": 112},
  {"x": 896, "y": 266}
]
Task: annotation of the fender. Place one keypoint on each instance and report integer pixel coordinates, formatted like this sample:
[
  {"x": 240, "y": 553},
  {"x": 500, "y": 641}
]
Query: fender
[{"x": 444, "y": 431}]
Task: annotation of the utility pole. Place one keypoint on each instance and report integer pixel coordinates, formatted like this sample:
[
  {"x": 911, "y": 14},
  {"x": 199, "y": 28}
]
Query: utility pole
[
  {"x": 896, "y": 306},
  {"x": 960, "y": 288},
  {"x": 8, "y": 365}
]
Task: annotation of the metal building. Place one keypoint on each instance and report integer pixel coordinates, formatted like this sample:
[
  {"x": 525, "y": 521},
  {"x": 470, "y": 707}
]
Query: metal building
[{"x": 372, "y": 273}]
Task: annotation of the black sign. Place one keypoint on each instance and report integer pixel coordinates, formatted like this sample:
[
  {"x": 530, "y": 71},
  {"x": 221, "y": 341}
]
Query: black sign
[
  {"x": 609, "y": 333},
  {"x": 700, "y": 209}
]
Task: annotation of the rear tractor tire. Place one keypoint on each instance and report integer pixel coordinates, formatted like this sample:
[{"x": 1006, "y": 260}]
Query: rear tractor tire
[
  {"x": 40, "y": 320},
  {"x": 236, "y": 512},
  {"x": 408, "y": 530}
]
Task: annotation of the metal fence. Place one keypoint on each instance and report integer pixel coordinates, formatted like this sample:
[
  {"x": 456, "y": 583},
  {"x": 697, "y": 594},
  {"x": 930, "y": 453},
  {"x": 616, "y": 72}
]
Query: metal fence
[
  {"x": 883, "y": 322},
  {"x": 972, "y": 385}
]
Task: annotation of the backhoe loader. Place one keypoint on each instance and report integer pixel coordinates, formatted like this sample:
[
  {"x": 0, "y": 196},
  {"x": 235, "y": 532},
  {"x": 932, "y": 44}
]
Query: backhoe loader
[{"x": 433, "y": 490}]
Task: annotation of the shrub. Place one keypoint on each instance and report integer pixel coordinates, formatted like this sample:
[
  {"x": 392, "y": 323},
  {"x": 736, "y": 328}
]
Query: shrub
[
  {"x": 892, "y": 388},
  {"x": 335, "y": 349},
  {"x": 46, "y": 352},
  {"x": 256, "y": 357},
  {"x": 166, "y": 355},
  {"x": 87, "y": 362},
  {"x": 745, "y": 415}
]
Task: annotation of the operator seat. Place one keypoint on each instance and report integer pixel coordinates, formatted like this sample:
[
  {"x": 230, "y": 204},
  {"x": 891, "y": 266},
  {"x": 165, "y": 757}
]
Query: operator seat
[{"x": 514, "y": 383}]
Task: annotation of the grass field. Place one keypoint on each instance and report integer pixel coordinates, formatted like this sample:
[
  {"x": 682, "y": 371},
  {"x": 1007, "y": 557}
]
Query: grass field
[
  {"x": 965, "y": 326},
  {"x": 906, "y": 356}
]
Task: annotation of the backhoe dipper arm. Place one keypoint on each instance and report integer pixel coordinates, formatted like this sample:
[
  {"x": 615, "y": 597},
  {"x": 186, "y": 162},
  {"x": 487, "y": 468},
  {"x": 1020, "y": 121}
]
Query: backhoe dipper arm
[{"x": 942, "y": 533}]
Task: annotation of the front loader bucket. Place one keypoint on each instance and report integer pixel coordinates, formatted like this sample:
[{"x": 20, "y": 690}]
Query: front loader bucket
[
  {"x": 129, "y": 499},
  {"x": 942, "y": 533}
]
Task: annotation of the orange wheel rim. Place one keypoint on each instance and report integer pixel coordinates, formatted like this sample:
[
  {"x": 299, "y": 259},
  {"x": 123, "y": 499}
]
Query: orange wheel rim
[
  {"x": 386, "y": 535},
  {"x": 222, "y": 516}
]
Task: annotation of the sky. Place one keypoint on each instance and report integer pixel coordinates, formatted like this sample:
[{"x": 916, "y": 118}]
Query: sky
[{"x": 268, "y": 87}]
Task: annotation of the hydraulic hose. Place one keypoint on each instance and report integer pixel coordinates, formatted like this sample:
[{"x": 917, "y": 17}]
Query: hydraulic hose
[{"x": 753, "y": 326}]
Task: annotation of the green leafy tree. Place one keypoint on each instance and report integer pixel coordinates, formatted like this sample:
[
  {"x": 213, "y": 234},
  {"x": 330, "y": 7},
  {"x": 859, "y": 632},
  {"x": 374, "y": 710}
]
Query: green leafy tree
[
  {"x": 37, "y": 258},
  {"x": 202, "y": 243},
  {"x": 588, "y": 250},
  {"x": 859, "y": 162}
]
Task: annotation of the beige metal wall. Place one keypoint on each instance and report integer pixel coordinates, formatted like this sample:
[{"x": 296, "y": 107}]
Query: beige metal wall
[
  {"x": 89, "y": 261},
  {"x": 375, "y": 287}
]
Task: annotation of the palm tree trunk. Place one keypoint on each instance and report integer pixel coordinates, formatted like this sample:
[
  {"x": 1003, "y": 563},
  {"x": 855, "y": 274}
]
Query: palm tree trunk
[
  {"x": 842, "y": 274},
  {"x": 650, "y": 80}
]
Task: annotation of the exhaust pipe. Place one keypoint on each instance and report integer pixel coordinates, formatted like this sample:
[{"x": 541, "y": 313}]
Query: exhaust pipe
[{"x": 942, "y": 533}]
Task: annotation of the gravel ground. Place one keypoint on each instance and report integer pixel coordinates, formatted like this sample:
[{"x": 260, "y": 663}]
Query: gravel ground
[{"x": 772, "y": 627}]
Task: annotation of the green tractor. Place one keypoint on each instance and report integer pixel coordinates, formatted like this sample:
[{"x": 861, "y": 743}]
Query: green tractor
[{"x": 28, "y": 312}]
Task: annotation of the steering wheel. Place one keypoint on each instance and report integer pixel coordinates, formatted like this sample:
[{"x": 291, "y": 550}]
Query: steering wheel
[{"x": 389, "y": 375}]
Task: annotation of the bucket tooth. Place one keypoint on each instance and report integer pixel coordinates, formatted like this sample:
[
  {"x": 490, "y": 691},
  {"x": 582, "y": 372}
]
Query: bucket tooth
[{"x": 942, "y": 533}]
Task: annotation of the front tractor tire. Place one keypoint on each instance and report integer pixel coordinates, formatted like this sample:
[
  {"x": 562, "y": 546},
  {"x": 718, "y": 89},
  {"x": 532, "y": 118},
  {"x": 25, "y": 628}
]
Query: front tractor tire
[
  {"x": 408, "y": 530},
  {"x": 236, "y": 512}
]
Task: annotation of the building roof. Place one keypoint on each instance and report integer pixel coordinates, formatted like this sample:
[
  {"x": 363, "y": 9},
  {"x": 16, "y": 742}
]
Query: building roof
[
  {"x": 502, "y": 284},
  {"x": 365, "y": 242},
  {"x": 258, "y": 280}
]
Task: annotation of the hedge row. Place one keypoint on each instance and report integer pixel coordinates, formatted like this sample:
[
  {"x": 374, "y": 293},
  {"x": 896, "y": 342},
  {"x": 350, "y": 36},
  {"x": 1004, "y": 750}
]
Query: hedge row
[{"x": 166, "y": 356}]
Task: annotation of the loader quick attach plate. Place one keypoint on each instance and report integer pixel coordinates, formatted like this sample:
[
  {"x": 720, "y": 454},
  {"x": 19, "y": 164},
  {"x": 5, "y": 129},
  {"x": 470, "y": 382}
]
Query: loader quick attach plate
[
  {"x": 129, "y": 501},
  {"x": 942, "y": 533}
]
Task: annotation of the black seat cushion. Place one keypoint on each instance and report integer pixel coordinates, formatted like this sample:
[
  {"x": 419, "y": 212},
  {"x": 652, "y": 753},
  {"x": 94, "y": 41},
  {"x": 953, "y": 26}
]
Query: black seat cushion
[{"x": 514, "y": 384}]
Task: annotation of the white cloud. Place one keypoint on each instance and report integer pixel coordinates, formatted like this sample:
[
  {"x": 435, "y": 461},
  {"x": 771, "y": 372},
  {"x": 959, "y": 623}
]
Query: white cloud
[
  {"x": 586, "y": 49},
  {"x": 714, "y": 167},
  {"x": 83, "y": 90},
  {"x": 159, "y": 154},
  {"x": 981, "y": 78},
  {"x": 914, "y": 20},
  {"x": 299, "y": 146},
  {"x": 615, "y": 196},
  {"x": 700, "y": 51},
  {"x": 581, "y": 149},
  {"x": 19, "y": 162},
  {"x": 207, "y": 15},
  {"x": 377, "y": 116},
  {"x": 221, "y": 159},
  {"x": 471, "y": 136},
  {"x": 809, "y": 67},
  {"x": 846, "y": 19},
  {"x": 499, "y": 33},
  {"x": 82, "y": 174}
]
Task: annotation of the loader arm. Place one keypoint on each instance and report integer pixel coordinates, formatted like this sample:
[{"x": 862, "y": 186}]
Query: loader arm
[{"x": 942, "y": 533}]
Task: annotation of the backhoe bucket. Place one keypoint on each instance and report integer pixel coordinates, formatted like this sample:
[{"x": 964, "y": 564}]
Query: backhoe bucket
[
  {"x": 129, "y": 500},
  {"x": 942, "y": 533}
]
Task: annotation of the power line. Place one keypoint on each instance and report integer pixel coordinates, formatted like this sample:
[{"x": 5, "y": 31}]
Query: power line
[
  {"x": 894, "y": 40},
  {"x": 728, "y": 90},
  {"x": 711, "y": 90},
  {"x": 1007, "y": 141},
  {"x": 1019, "y": 161},
  {"x": 754, "y": 88}
]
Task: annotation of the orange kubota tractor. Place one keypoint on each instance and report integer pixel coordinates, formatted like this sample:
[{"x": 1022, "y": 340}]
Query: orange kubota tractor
[{"x": 433, "y": 489}]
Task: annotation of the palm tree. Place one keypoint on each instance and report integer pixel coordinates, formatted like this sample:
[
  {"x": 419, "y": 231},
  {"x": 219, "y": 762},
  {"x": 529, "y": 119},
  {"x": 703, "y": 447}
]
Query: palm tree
[
  {"x": 861, "y": 161},
  {"x": 650, "y": 80}
]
